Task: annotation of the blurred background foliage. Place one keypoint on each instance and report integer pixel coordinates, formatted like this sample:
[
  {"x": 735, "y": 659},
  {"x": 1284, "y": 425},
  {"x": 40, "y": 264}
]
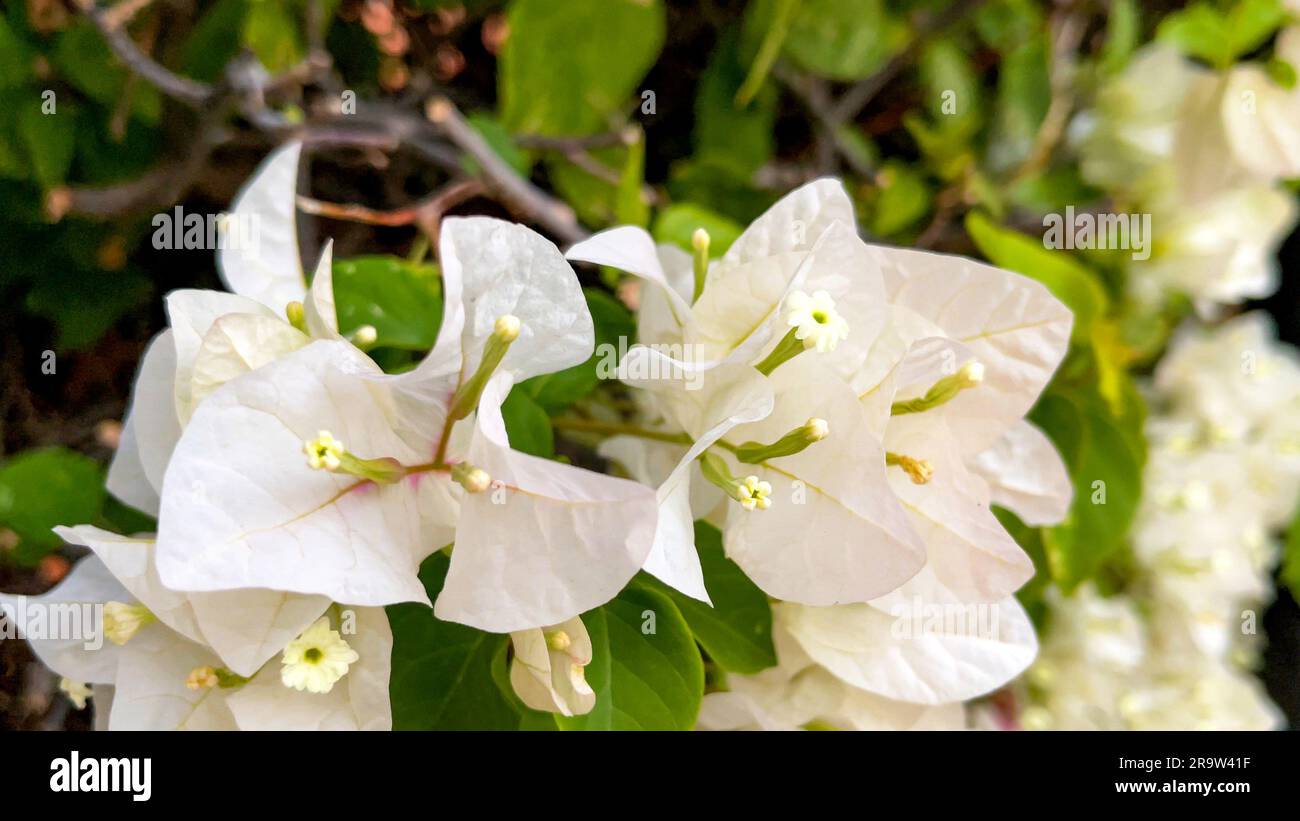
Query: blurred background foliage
[{"x": 945, "y": 120}]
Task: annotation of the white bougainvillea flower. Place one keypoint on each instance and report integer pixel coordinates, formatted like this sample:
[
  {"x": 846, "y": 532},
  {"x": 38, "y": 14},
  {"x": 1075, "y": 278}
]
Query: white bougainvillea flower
[
  {"x": 1262, "y": 118},
  {"x": 745, "y": 308},
  {"x": 1221, "y": 250},
  {"x": 547, "y": 669},
  {"x": 800, "y": 694},
  {"x": 153, "y": 681},
  {"x": 920, "y": 644},
  {"x": 1130, "y": 131},
  {"x": 242, "y": 507},
  {"x": 217, "y": 336},
  {"x": 243, "y": 627},
  {"x": 1025, "y": 474}
]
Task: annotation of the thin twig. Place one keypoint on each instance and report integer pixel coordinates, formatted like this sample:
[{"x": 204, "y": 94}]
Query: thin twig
[
  {"x": 438, "y": 203},
  {"x": 553, "y": 215},
  {"x": 608, "y": 139},
  {"x": 1068, "y": 30},
  {"x": 191, "y": 92}
]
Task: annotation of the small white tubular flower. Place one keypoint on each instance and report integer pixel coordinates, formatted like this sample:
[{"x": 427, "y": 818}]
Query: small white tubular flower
[
  {"x": 759, "y": 493},
  {"x": 203, "y": 677},
  {"x": 122, "y": 621},
  {"x": 324, "y": 452},
  {"x": 547, "y": 672},
  {"x": 816, "y": 322},
  {"x": 317, "y": 659},
  {"x": 76, "y": 691}
]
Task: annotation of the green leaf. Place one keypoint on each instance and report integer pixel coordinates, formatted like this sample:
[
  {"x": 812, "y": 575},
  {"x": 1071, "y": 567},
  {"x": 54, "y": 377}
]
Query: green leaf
[
  {"x": 630, "y": 205},
  {"x": 401, "y": 299},
  {"x": 214, "y": 40},
  {"x": 498, "y": 138},
  {"x": 736, "y": 631},
  {"x": 1218, "y": 37},
  {"x": 1024, "y": 94},
  {"x": 85, "y": 60},
  {"x": 271, "y": 31},
  {"x": 844, "y": 39},
  {"x": 1290, "y": 571},
  {"x": 49, "y": 139},
  {"x": 1123, "y": 33},
  {"x": 40, "y": 489},
  {"x": 15, "y": 57},
  {"x": 1105, "y": 455},
  {"x": 605, "y": 199},
  {"x": 1006, "y": 24},
  {"x": 442, "y": 676},
  {"x": 675, "y": 224},
  {"x": 83, "y": 304},
  {"x": 904, "y": 198},
  {"x": 738, "y": 137},
  {"x": 1030, "y": 540},
  {"x": 952, "y": 88},
  {"x": 1067, "y": 279},
  {"x": 567, "y": 67},
  {"x": 645, "y": 669},
  {"x": 527, "y": 425},
  {"x": 767, "y": 22}
]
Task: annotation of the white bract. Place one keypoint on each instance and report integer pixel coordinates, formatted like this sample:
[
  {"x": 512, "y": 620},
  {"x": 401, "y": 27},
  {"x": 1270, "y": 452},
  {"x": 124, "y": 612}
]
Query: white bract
[
  {"x": 165, "y": 679},
  {"x": 915, "y": 363},
  {"x": 547, "y": 669},
  {"x": 215, "y": 337},
  {"x": 243, "y": 506}
]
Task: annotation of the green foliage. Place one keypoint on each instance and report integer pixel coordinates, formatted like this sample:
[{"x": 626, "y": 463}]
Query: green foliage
[
  {"x": 1105, "y": 454},
  {"x": 1220, "y": 36},
  {"x": 401, "y": 299},
  {"x": 568, "y": 67},
  {"x": 837, "y": 39},
  {"x": 904, "y": 198},
  {"x": 646, "y": 670},
  {"x": 1289, "y": 573},
  {"x": 736, "y": 631},
  {"x": 442, "y": 672},
  {"x": 676, "y": 224},
  {"x": 728, "y": 134},
  {"x": 527, "y": 425},
  {"x": 40, "y": 489}
]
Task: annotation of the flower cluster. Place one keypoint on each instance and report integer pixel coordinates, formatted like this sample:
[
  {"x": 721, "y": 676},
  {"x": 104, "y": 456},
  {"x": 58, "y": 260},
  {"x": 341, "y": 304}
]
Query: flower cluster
[
  {"x": 1203, "y": 152},
  {"x": 859, "y": 408},
  {"x": 1176, "y": 649},
  {"x": 298, "y": 487}
]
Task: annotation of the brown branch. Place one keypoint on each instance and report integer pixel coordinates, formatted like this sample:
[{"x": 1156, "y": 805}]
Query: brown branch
[
  {"x": 816, "y": 98},
  {"x": 436, "y": 204},
  {"x": 553, "y": 215},
  {"x": 191, "y": 92}
]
